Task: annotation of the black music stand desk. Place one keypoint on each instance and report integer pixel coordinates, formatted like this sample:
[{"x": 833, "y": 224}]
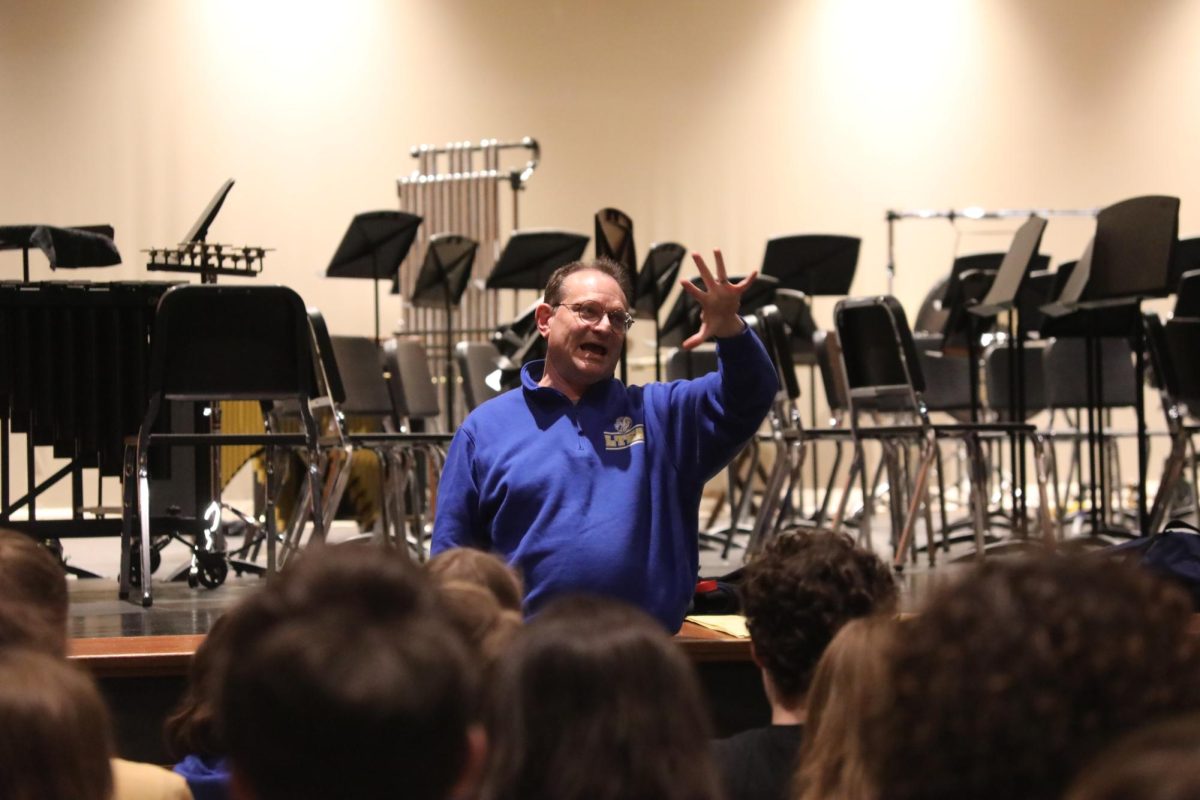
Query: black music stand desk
[{"x": 373, "y": 246}]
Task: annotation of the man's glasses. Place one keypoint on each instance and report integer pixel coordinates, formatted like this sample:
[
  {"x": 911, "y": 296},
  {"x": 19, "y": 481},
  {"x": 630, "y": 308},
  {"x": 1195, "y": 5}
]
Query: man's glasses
[{"x": 590, "y": 314}]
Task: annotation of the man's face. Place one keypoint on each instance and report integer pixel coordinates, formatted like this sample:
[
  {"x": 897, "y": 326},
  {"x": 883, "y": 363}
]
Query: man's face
[{"x": 576, "y": 352}]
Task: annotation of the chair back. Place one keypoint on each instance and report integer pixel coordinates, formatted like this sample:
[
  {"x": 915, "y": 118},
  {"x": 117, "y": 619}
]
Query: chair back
[
  {"x": 366, "y": 391},
  {"x": 997, "y": 362},
  {"x": 232, "y": 343},
  {"x": 687, "y": 364},
  {"x": 409, "y": 380},
  {"x": 879, "y": 357},
  {"x": 947, "y": 375},
  {"x": 476, "y": 362},
  {"x": 1182, "y": 340},
  {"x": 328, "y": 365},
  {"x": 777, "y": 338},
  {"x": 1066, "y": 373},
  {"x": 829, "y": 360}
]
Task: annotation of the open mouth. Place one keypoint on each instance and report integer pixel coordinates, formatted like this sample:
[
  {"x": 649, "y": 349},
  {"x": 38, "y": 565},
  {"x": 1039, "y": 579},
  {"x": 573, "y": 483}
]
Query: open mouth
[{"x": 594, "y": 349}]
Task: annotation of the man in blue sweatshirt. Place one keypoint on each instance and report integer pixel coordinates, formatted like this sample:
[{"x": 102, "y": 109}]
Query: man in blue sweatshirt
[{"x": 587, "y": 485}]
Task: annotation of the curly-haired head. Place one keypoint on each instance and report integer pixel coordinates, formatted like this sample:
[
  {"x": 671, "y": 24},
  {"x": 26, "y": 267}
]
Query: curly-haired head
[
  {"x": 799, "y": 592},
  {"x": 1013, "y": 677}
]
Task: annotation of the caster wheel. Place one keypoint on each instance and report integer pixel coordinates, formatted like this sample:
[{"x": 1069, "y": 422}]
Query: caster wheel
[{"x": 212, "y": 572}]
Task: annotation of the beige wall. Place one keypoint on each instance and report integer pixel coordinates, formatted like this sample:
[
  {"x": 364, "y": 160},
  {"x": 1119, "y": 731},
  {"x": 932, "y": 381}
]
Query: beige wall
[{"x": 710, "y": 123}]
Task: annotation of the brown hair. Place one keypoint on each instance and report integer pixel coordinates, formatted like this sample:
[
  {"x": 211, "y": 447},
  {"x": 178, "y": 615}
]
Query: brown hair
[
  {"x": 345, "y": 663},
  {"x": 594, "y": 701},
  {"x": 191, "y": 727},
  {"x": 33, "y": 595},
  {"x": 554, "y": 291},
  {"x": 849, "y": 690},
  {"x": 799, "y": 592},
  {"x": 1014, "y": 677},
  {"x": 482, "y": 569},
  {"x": 55, "y": 739}
]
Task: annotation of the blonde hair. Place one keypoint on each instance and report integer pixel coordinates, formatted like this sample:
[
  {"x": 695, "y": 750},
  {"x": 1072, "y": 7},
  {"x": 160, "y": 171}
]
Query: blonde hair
[
  {"x": 482, "y": 569},
  {"x": 849, "y": 688}
]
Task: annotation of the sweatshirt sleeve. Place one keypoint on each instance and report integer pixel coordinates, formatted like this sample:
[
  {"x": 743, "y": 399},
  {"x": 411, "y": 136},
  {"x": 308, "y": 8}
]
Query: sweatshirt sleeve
[
  {"x": 712, "y": 416},
  {"x": 456, "y": 521}
]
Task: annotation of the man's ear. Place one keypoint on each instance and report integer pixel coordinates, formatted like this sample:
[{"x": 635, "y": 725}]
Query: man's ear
[
  {"x": 542, "y": 315},
  {"x": 467, "y": 785}
]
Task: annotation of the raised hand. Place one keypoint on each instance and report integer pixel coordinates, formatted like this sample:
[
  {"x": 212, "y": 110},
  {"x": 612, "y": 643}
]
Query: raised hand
[{"x": 719, "y": 301}]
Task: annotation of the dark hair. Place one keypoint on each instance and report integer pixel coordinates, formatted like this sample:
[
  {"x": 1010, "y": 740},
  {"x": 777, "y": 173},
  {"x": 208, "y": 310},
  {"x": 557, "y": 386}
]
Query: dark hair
[
  {"x": 33, "y": 595},
  {"x": 348, "y": 680},
  {"x": 799, "y": 592},
  {"x": 55, "y": 739},
  {"x": 1159, "y": 762},
  {"x": 1013, "y": 677},
  {"x": 191, "y": 728},
  {"x": 554, "y": 293},
  {"x": 482, "y": 569},
  {"x": 593, "y": 700}
]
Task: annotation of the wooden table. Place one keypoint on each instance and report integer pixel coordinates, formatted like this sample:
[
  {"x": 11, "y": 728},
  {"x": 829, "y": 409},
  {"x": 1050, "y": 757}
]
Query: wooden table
[{"x": 165, "y": 656}]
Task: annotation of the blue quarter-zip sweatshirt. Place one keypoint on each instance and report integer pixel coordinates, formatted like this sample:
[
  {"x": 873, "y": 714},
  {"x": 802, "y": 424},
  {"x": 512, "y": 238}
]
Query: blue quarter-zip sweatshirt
[{"x": 602, "y": 496}]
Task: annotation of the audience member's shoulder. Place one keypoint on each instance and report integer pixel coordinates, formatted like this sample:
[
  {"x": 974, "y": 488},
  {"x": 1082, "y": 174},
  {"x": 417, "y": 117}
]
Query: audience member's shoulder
[{"x": 136, "y": 781}]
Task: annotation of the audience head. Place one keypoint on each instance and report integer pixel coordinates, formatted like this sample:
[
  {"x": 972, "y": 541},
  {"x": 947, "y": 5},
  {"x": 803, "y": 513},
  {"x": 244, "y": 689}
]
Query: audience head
[
  {"x": 191, "y": 728},
  {"x": 849, "y": 691},
  {"x": 33, "y": 595},
  {"x": 593, "y": 700},
  {"x": 349, "y": 680},
  {"x": 55, "y": 740},
  {"x": 483, "y": 569},
  {"x": 1158, "y": 762},
  {"x": 798, "y": 593},
  {"x": 1012, "y": 678}
]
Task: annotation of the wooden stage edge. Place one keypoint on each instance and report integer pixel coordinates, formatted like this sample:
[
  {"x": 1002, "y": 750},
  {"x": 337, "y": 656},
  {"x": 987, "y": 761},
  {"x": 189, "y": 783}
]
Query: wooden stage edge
[{"x": 164, "y": 656}]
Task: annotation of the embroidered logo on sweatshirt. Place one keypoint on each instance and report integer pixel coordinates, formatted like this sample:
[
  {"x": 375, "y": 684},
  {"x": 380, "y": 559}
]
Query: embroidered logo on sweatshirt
[{"x": 625, "y": 436}]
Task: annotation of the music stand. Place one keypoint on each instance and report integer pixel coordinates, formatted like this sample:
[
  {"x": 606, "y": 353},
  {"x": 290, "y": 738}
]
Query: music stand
[
  {"x": 658, "y": 275},
  {"x": 684, "y": 317},
  {"x": 65, "y": 248},
  {"x": 1012, "y": 280},
  {"x": 614, "y": 241},
  {"x": 1131, "y": 257},
  {"x": 440, "y": 284},
  {"x": 816, "y": 264},
  {"x": 530, "y": 258},
  {"x": 372, "y": 247}
]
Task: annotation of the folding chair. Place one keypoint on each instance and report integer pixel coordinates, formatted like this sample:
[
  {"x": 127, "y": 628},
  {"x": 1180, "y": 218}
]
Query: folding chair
[
  {"x": 416, "y": 411},
  {"x": 365, "y": 416},
  {"x": 214, "y": 343}
]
